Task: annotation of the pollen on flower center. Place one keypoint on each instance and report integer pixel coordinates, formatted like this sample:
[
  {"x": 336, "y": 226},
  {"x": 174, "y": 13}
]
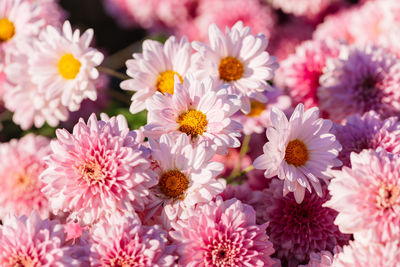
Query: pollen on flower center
[
  {"x": 173, "y": 183},
  {"x": 296, "y": 153},
  {"x": 192, "y": 122},
  {"x": 388, "y": 196},
  {"x": 230, "y": 69},
  {"x": 256, "y": 108},
  {"x": 7, "y": 30},
  {"x": 21, "y": 261},
  {"x": 165, "y": 81},
  {"x": 22, "y": 181},
  {"x": 121, "y": 262},
  {"x": 69, "y": 66},
  {"x": 92, "y": 172}
]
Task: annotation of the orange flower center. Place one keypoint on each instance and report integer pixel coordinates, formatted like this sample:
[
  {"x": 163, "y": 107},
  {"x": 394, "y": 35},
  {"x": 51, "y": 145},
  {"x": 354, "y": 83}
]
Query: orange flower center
[
  {"x": 256, "y": 108},
  {"x": 7, "y": 30},
  {"x": 173, "y": 184},
  {"x": 296, "y": 153},
  {"x": 230, "y": 69},
  {"x": 69, "y": 66},
  {"x": 92, "y": 172},
  {"x": 192, "y": 122},
  {"x": 388, "y": 196},
  {"x": 165, "y": 82}
]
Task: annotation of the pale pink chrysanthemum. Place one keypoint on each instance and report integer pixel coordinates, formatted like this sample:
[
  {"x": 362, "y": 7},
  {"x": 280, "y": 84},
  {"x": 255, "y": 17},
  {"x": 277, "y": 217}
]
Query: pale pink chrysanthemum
[
  {"x": 367, "y": 196},
  {"x": 29, "y": 241},
  {"x": 299, "y": 73},
  {"x": 296, "y": 230},
  {"x": 299, "y": 151},
  {"x": 375, "y": 254},
  {"x": 128, "y": 243},
  {"x": 155, "y": 68},
  {"x": 97, "y": 170},
  {"x": 186, "y": 177},
  {"x": 198, "y": 109},
  {"x": 50, "y": 11},
  {"x": 360, "y": 79},
  {"x": 19, "y": 174},
  {"x": 367, "y": 132},
  {"x": 238, "y": 59},
  {"x": 323, "y": 259},
  {"x": 307, "y": 8},
  {"x": 222, "y": 234},
  {"x": 225, "y": 14}
]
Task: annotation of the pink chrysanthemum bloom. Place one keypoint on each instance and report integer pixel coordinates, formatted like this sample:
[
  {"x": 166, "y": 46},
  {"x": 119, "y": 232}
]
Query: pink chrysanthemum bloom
[
  {"x": 29, "y": 241},
  {"x": 64, "y": 65},
  {"x": 258, "y": 118},
  {"x": 361, "y": 79},
  {"x": 97, "y": 170},
  {"x": 155, "y": 68},
  {"x": 128, "y": 243},
  {"x": 367, "y": 196},
  {"x": 19, "y": 174},
  {"x": 222, "y": 234},
  {"x": 307, "y": 8},
  {"x": 252, "y": 13},
  {"x": 299, "y": 151},
  {"x": 296, "y": 230},
  {"x": 323, "y": 259},
  {"x": 198, "y": 109},
  {"x": 238, "y": 59},
  {"x": 50, "y": 11},
  {"x": 186, "y": 176},
  {"x": 367, "y": 132},
  {"x": 375, "y": 254},
  {"x": 300, "y": 72}
]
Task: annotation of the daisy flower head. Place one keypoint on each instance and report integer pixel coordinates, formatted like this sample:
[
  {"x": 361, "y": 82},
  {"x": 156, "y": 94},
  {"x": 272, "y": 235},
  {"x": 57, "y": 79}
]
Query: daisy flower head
[
  {"x": 20, "y": 176},
  {"x": 238, "y": 59},
  {"x": 367, "y": 196},
  {"x": 361, "y": 79},
  {"x": 97, "y": 170},
  {"x": 198, "y": 109},
  {"x": 154, "y": 69},
  {"x": 367, "y": 132},
  {"x": 222, "y": 233},
  {"x": 300, "y": 151},
  {"x": 30, "y": 241},
  {"x": 64, "y": 65},
  {"x": 128, "y": 243},
  {"x": 186, "y": 176}
]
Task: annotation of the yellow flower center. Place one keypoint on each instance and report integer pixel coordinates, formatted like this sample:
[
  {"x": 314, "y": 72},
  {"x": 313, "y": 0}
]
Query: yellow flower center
[
  {"x": 230, "y": 69},
  {"x": 165, "y": 82},
  {"x": 388, "y": 196},
  {"x": 92, "y": 172},
  {"x": 69, "y": 66},
  {"x": 192, "y": 122},
  {"x": 173, "y": 183},
  {"x": 296, "y": 153},
  {"x": 7, "y": 30},
  {"x": 256, "y": 108},
  {"x": 21, "y": 182},
  {"x": 21, "y": 261}
]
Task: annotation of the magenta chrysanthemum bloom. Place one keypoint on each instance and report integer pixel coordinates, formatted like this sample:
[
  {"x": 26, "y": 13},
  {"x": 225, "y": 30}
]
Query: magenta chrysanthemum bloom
[
  {"x": 367, "y": 132},
  {"x": 222, "y": 234},
  {"x": 20, "y": 184},
  {"x": 296, "y": 230},
  {"x": 300, "y": 72},
  {"x": 97, "y": 170},
  {"x": 29, "y": 241},
  {"x": 367, "y": 196},
  {"x": 300, "y": 151},
  {"x": 128, "y": 243},
  {"x": 361, "y": 79}
]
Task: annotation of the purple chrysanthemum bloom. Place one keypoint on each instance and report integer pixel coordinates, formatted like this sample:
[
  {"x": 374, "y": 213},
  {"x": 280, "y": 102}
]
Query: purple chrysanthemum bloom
[
  {"x": 367, "y": 132},
  {"x": 362, "y": 79}
]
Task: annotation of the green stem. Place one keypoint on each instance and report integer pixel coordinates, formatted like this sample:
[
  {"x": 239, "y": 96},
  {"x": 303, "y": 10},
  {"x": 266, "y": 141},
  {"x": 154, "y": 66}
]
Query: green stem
[
  {"x": 113, "y": 73},
  {"x": 243, "y": 151}
]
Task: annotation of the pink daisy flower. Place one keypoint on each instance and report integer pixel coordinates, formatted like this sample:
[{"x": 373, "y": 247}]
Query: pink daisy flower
[
  {"x": 299, "y": 151},
  {"x": 367, "y": 196},
  {"x": 128, "y": 243},
  {"x": 97, "y": 170},
  {"x": 361, "y": 79},
  {"x": 308, "y": 8},
  {"x": 296, "y": 230},
  {"x": 19, "y": 174},
  {"x": 154, "y": 69},
  {"x": 222, "y": 234},
  {"x": 29, "y": 241},
  {"x": 197, "y": 109},
  {"x": 367, "y": 132},
  {"x": 300, "y": 72},
  {"x": 186, "y": 176},
  {"x": 238, "y": 59}
]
